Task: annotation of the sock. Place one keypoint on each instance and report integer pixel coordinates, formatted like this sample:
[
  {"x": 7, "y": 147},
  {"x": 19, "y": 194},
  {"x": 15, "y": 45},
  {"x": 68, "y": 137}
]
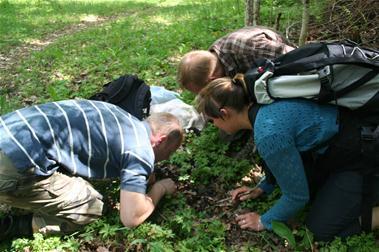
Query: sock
[{"x": 375, "y": 217}]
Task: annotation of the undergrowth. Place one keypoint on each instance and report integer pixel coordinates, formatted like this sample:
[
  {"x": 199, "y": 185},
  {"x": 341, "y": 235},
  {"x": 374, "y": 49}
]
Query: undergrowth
[{"x": 149, "y": 41}]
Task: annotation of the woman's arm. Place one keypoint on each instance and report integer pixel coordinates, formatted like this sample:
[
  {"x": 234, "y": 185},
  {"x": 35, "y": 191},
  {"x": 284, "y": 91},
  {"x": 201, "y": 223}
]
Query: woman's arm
[{"x": 285, "y": 163}]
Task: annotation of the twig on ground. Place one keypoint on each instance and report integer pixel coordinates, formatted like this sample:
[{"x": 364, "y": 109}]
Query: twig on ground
[{"x": 230, "y": 198}]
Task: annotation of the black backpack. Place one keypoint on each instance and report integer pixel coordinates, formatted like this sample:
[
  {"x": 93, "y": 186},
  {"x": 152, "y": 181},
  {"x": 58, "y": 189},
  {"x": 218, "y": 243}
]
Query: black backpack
[
  {"x": 341, "y": 73},
  {"x": 129, "y": 93}
]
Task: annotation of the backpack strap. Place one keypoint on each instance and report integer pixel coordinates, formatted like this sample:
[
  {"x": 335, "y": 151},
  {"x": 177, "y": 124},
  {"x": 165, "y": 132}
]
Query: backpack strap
[
  {"x": 327, "y": 94},
  {"x": 364, "y": 79},
  {"x": 319, "y": 54},
  {"x": 253, "y": 111}
]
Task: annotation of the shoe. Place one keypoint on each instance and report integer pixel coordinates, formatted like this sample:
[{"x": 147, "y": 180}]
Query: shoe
[{"x": 16, "y": 227}]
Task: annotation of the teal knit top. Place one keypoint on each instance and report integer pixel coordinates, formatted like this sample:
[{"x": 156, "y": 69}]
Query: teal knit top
[{"x": 282, "y": 130}]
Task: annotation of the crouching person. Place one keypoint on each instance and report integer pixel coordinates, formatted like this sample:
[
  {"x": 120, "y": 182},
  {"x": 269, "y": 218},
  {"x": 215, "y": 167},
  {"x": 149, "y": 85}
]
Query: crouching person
[
  {"x": 314, "y": 154},
  {"x": 49, "y": 152}
]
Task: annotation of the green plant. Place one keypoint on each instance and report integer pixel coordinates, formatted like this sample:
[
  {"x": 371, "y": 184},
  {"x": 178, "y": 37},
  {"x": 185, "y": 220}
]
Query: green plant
[
  {"x": 362, "y": 243},
  {"x": 205, "y": 159},
  {"x": 39, "y": 243},
  {"x": 298, "y": 240},
  {"x": 283, "y": 231},
  {"x": 5, "y": 106},
  {"x": 208, "y": 235},
  {"x": 147, "y": 39},
  {"x": 151, "y": 236}
]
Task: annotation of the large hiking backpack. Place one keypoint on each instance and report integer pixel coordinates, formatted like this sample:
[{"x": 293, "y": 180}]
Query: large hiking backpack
[
  {"x": 128, "y": 92},
  {"x": 327, "y": 72}
]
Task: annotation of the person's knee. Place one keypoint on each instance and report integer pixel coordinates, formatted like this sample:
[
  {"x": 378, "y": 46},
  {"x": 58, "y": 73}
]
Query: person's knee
[
  {"x": 336, "y": 209},
  {"x": 320, "y": 233}
]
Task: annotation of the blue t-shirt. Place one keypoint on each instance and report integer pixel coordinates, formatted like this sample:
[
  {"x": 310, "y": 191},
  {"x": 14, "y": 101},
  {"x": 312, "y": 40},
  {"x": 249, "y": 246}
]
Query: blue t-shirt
[
  {"x": 91, "y": 139},
  {"x": 282, "y": 130}
]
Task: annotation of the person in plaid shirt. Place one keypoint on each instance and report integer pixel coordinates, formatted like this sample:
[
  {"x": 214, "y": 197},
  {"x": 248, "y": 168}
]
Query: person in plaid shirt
[{"x": 234, "y": 53}]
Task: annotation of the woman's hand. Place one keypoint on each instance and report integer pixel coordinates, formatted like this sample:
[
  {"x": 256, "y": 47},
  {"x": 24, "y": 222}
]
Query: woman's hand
[
  {"x": 245, "y": 193},
  {"x": 250, "y": 221}
]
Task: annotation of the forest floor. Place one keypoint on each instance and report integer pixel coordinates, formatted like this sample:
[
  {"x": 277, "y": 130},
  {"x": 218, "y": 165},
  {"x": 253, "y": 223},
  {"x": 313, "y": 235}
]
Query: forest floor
[{"x": 212, "y": 199}]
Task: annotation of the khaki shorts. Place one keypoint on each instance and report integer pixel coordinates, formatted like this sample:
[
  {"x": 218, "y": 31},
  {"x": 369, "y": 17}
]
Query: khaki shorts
[{"x": 60, "y": 203}]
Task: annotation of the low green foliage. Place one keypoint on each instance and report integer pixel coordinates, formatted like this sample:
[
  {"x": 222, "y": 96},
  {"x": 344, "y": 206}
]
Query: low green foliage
[
  {"x": 41, "y": 243},
  {"x": 283, "y": 231},
  {"x": 5, "y": 105},
  {"x": 148, "y": 40},
  {"x": 204, "y": 159},
  {"x": 298, "y": 240},
  {"x": 362, "y": 243}
]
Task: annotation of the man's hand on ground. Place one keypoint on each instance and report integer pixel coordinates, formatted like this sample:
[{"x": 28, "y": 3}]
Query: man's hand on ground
[{"x": 168, "y": 185}]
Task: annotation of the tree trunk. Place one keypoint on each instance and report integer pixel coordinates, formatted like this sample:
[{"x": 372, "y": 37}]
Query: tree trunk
[
  {"x": 304, "y": 23},
  {"x": 252, "y": 12},
  {"x": 249, "y": 12},
  {"x": 256, "y": 12},
  {"x": 277, "y": 21}
]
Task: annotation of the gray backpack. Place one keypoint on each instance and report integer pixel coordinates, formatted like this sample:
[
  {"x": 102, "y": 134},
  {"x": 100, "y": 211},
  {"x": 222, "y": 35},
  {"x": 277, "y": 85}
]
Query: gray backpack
[{"x": 340, "y": 73}]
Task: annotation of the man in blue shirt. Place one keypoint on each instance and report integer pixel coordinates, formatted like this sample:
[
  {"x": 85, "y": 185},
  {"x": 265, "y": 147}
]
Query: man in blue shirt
[{"x": 46, "y": 151}]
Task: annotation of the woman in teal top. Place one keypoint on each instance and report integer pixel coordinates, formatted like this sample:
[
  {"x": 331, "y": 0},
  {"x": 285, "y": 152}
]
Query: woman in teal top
[{"x": 284, "y": 132}]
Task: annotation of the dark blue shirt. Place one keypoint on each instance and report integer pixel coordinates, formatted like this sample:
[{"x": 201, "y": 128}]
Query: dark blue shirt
[{"x": 91, "y": 139}]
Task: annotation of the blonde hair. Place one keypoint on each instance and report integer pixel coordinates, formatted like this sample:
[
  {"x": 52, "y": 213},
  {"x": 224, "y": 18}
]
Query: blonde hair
[
  {"x": 195, "y": 68},
  {"x": 223, "y": 92},
  {"x": 166, "y": 124}
]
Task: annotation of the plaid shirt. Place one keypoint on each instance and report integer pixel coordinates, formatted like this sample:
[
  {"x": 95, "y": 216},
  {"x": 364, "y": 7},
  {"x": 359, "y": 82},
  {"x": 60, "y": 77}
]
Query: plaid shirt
[{"x": 238, "y": 50}]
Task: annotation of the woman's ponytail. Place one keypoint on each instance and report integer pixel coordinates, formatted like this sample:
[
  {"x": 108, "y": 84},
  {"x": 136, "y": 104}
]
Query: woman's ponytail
[
  {"x": 223, "y": 92},
  {"x": 239, "y": 80}
]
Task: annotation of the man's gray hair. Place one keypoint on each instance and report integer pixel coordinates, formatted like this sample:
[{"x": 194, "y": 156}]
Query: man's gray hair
[{"x": 167, "y": 124}]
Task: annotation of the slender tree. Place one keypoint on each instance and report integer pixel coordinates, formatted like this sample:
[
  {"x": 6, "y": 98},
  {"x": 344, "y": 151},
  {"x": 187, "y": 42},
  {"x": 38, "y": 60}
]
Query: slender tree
[
  {"x": 256, "y": 11},
  {"x": 249, "y": 12},
  {"x": 304, "y": 23},
  {"x": 277, "y": 21},
  {"x": 252, "y": 12}
]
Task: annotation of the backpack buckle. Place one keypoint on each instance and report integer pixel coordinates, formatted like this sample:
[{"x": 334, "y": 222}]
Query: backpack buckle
[
  {"x": 369, "y": 133},
  {"x": 325, "y": 76},
  {"x": 260, "y": 70}
]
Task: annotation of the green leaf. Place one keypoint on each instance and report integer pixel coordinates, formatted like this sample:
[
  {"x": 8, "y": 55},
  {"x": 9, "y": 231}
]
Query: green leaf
[
  {"x": 138, "y": 241},
  {"x": 283, "y": 231}
]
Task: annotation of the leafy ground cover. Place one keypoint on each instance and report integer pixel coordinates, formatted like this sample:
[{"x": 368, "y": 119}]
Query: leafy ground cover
[{"x": 146, "y": 38}]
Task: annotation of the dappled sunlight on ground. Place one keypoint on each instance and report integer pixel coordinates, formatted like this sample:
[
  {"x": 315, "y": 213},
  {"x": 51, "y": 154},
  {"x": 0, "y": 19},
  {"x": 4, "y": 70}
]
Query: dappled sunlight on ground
[
  {"x": 91, "y": 18},
  {"x": 37, "y": 42},
  {"x": 161, "y": 20}
]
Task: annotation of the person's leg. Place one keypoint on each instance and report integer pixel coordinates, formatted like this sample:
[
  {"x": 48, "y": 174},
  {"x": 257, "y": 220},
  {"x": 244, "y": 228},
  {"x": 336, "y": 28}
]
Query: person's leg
[
  {"x": 8, "y": 174},
  {"x": 9, "y": 179},
  {"x": 60, "y": 203},
  {"x": 336, "y": 209},
  {"x": 375, "y": 210}
]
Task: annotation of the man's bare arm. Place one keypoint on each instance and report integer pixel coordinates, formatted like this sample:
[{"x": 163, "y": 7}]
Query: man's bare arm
[{"x": 135, "y": 207}]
